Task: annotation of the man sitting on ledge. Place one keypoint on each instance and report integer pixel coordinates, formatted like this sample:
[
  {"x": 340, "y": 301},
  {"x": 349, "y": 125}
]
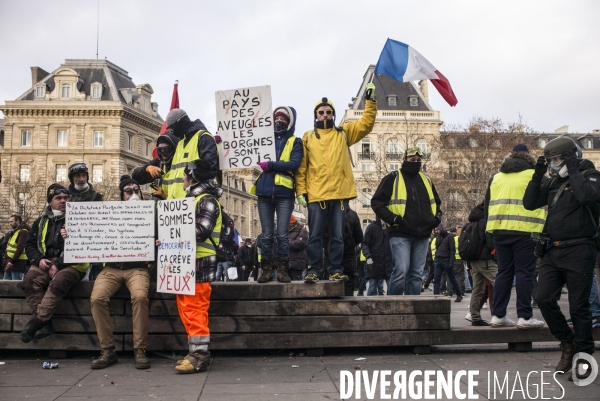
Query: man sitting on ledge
[{"x": 48, "y": 279}]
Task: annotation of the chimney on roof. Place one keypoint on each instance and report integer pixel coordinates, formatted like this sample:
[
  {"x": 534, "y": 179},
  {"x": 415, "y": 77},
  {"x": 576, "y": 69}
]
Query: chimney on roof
[
  {"x": 424, "y": 88},
  {"x": 562, "y": 130},
  {"x": 37, "y": 74}
]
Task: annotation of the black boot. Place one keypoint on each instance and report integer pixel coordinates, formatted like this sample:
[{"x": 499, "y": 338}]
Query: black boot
[
  {"x": 46, "y": 330},
  {"x": 30, "y": 328},
  {"x": 266, "y": 265},
  {"x": 283, "y": 264}
]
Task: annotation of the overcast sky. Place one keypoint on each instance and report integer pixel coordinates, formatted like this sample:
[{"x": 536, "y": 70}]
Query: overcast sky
[{"x": 539, "y": 59}]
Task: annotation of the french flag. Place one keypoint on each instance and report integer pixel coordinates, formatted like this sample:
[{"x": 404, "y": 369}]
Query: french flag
[{"x": 403, "y": 63}]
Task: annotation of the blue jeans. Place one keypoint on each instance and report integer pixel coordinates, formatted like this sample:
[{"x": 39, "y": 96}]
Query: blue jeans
[
  {"x": 10, "y": 275},
  {"x": 444, "y": 265},
  {"x": 222, "y": 271},
  {"x": 267, "y": 207},
  {"x": 594, "y": 299},
  {"x": 408, "y": 257},
  {"x": 375, "y": 287},
  {"x": 332, "y": 215}
]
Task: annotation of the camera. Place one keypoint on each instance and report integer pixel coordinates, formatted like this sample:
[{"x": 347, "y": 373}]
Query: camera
[{"x": 541, "y": 241}]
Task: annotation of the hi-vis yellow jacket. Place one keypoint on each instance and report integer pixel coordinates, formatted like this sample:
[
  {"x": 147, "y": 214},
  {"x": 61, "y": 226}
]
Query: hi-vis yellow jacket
[{"x": 325, "y": 172}]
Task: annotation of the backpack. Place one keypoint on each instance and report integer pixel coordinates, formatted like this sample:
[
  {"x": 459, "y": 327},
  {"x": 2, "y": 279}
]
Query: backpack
[
  {"x": 227, "y": 248},
  {"x": 469, "y": 243}
]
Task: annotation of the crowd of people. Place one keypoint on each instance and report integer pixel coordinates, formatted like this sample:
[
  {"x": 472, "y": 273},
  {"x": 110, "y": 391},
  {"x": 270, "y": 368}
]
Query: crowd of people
[{"x": 406, "y": 247}]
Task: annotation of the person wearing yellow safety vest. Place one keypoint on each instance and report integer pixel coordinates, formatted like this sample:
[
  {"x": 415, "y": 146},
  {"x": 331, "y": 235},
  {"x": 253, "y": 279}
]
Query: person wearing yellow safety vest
[
  {"x": 570, "y": 186},
  {"x": 49, "y": 278},
  {"x": 158, "y": 171},
  {"x": 408, "y": 202},
  {"x": 136, "y": 277},
  {"x": 15, "y": 257},
  {"x": 325, "y": 181},
  {"x": 275, "y": 188},
  {"x": 195, "y": 143},
  {"x": 512, "y": 225},
  {"x": 457, "y": 268},
  {"x": 199, "y": 183}
]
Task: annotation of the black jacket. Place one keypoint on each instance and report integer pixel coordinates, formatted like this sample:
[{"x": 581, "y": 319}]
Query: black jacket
[
  {"x": 207, "y": 147},
  {"x": 376, "y": 246},
  {"x": 569, "y": 217},
  {"x": 141, "y": 175},
  {"x": 478, "y": 215},
  {"x": 87, "y": 196},
  {"x": 445, "y": 247},
  {"x": 244, "y": 257},
  {"x": 515, "y": 162},
  {"x": 418, "y": 220},
  {"x": 352, "y": 235},
  {"x": 298, "y": 237},
  {"x": 55, "y": 244}
]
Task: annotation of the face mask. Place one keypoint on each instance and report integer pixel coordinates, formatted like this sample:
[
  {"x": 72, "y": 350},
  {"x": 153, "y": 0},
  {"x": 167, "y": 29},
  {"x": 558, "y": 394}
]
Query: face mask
[
  {"x": 57, "y": 212},
  {"x": 280, "y": 127},
  {"x": 411, "y": 167},
  {"x": 82, "y": 187},
  {"x": 248, "y": 245},
  {"x": 134, "y": 197},
  {"x": 325, "y": 124}
]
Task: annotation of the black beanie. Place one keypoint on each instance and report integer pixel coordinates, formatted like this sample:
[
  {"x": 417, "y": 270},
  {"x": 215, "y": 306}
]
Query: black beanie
[{"x": 51, "y": 192}]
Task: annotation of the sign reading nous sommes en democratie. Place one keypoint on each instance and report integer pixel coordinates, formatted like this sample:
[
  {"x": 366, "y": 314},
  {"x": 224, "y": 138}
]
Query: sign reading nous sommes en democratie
[
  {"x": 245, "y": 124},
  {"x": 176, "y": 268},
  {"x": 109, "y": 231}
]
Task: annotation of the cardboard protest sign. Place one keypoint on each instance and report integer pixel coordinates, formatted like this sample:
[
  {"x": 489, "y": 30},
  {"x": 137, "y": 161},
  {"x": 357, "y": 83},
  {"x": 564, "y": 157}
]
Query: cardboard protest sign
[
  {"x": 109, "y": 232},
  {"x": 176, "y": 268},
  {"x": 245, "y": 123}
]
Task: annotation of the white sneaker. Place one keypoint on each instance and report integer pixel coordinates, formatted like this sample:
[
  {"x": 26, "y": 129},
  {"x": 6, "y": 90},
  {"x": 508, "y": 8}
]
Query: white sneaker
[
  {"x": 484, "y": 306},
  {"x": 468, "y": 317},
  {"x": 504, "y": 322},
  {"x": 532, "y": 323}
]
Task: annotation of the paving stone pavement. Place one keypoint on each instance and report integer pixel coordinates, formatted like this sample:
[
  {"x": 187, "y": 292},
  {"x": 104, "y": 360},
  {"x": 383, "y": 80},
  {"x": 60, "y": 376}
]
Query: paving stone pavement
[{"x": 273, "y": 375}]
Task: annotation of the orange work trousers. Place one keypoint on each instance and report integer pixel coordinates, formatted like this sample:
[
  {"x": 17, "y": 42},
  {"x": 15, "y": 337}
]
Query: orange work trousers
[{"x": 193, "y": 310}]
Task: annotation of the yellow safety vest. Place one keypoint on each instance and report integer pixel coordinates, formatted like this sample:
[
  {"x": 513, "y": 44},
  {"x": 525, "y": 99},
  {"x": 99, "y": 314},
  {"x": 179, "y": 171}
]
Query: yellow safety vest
[
  {"x": 433, "y": 248},
  {"x": 11, "y": 246},
  {"x": 81, "y": 267},
  {"x": 506, "y": 211},
  {"x": 173, "y": 180},
  {"x": 258, "y": 254},
  {"x": 397, "y": 203},
  {"x": 362, "y": 257},
  {"x": 206, "y": 247},
  {"x": 456, "y": 254},
  {"x": 281, "y": 178}
]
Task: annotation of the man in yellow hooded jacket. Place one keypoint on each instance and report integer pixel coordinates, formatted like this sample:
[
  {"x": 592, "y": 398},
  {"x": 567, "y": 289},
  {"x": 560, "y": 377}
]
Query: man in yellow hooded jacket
[{"x": 325, "y": 182}]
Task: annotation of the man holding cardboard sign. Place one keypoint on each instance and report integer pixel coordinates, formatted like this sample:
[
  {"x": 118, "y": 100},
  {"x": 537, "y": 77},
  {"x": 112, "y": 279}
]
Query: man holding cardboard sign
[{"x": 325, "y": 181}]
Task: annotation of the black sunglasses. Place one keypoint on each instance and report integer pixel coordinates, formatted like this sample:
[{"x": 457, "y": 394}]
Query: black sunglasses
[
  {"x": 129, "y": 191},
  {"x": 164, "y": 150}
]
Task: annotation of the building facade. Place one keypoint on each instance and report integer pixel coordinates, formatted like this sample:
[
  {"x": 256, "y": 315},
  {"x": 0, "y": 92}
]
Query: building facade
[{"x": 87, "y": 111}]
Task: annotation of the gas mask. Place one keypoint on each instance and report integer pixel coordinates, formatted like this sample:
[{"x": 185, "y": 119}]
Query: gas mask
[{"x": 558, "y": 168}]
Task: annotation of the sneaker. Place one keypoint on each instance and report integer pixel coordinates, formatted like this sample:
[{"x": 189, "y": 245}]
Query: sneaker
[
  {"x": 468, "y": 317},
  {"x": 501, "y": 322},
  {"x": 480, "y": 323},
  {"x": 484, "y": 306},
  {"x": 338, "y": 277},
  {"x": 532, "y": 323},
  {"x": 595, "y": 321},
  {"x": 311, "y": 278}
]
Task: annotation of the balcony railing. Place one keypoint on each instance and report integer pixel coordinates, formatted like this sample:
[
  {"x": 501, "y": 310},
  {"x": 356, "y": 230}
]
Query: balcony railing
[
  {"x": 365, "y": 155},
  {"x": 393, "y": 156}
]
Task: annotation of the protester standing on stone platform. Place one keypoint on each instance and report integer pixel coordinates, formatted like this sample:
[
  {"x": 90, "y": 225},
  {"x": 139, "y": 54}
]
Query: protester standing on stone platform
[
  {"x": 136, "y": 277},
  {"x": 48, "y": 279},
  {"x": 325, "y": 181},
  {"x": 275, "y": 189}
]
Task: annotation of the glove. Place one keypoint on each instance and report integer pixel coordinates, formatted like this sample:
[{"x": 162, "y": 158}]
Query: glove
[
  {"x": 301, "y": 200},
  {"x": 154, "y": 171},
  {"x": 541, "y": 167},
  {"x": 369, "y": 264},
  {"x": 159, "y": 193},
  {"x": 264, "y": 166},
  {"x": 570, "y": 158},
  {"x": 218, "y": 139},
  {"x": 370, "y": 91}
]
